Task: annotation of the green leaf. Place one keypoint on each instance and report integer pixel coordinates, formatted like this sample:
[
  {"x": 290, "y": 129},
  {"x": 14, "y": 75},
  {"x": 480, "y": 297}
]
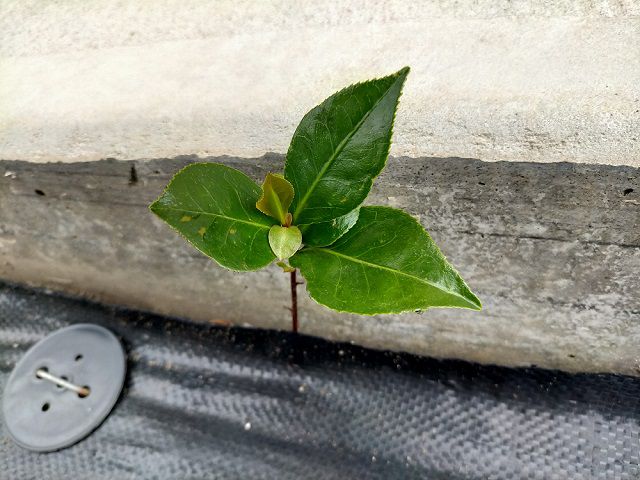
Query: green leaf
[
  {"x": 340, "y": 147},
  {"x": 387, "y": 263},
  {"x": 277, "y": 194},
  {"x": 213, "y": 207},
  {"x": 284, "y": 241},
  {"x": 325, "y": 233}
]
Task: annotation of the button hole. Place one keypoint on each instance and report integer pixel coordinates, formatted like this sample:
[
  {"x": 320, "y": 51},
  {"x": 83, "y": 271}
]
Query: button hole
[
  {"x": 44, "y": 369},
  {"x": 81, "y": 395},
  {"x": 45, "y": 406},
  {"x": 79, "y": 357}
]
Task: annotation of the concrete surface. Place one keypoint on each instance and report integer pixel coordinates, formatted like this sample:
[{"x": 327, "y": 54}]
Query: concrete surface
[
  {"x": 530, "y": 80},
  {"x": 552, "y": 250}
]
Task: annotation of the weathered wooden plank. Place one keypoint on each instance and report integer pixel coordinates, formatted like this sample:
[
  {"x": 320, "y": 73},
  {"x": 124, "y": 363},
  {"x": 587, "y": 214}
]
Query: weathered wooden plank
[{"x": 553, "y": 250}]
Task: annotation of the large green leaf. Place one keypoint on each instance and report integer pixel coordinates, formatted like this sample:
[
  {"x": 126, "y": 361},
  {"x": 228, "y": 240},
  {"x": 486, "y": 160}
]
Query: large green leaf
[
  {"x": 386, "y": 263},
  {"x": 339, "y": 148},
  {"x": 325, "y": 233},
  {"x": 213, "y": 207}
]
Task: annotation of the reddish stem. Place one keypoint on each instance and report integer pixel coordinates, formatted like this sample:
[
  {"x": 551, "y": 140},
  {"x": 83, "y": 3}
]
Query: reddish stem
[{"x": 294, "y": 302}]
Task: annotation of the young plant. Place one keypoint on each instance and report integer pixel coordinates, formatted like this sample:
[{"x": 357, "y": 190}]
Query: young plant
[{"x": 358, "y": 259}]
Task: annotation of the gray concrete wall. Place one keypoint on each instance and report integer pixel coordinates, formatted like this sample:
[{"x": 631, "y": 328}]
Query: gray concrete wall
[
  {"x": 543, "y": 96},
  {"x": 552, "y": 250}
]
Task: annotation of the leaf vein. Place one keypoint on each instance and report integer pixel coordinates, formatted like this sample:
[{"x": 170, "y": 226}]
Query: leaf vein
[
  {"x": 211, "y": 214},
  {"x": 336, "y": 153},
  {"x": 391, "y": 270}
]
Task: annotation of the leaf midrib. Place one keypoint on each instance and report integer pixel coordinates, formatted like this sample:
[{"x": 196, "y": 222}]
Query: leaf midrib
[
  {"x": 337, "y": 152},
  {"x": 278, "y": 204},
  {"x": 399, "y": 272},
  {"x": 201, "y": 212}
]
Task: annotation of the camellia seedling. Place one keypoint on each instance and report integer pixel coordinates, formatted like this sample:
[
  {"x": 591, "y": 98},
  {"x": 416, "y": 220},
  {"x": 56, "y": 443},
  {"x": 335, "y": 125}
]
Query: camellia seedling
[{"x": 358, "y": 259}]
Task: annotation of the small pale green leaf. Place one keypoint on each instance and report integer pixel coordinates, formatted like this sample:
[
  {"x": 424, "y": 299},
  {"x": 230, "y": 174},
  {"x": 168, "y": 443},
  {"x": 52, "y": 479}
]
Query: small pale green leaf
[
  {"x": 284, "y": 241},
  {"x": 277, "y": 194},
  {"x": 286, "y": 268},
  {"x": 213, "y": 207},
  {"x": 325, "y": 233},
  {"x": 340, "y": 147},
  {"x": 386, "y": 263}
]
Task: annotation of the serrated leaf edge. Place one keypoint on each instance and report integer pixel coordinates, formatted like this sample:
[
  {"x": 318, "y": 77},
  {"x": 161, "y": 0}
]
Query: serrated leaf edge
[
  {"x": 403, "y": 71},
  {"x": 474, "y": 307}
]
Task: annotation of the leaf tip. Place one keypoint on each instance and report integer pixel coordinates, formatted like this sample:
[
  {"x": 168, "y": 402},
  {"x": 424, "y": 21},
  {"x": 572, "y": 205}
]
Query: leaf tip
[
  {"x": 403, "y": 72},
  {"x": 474, "y": 301},
  {"x": 153, "y": 207}
]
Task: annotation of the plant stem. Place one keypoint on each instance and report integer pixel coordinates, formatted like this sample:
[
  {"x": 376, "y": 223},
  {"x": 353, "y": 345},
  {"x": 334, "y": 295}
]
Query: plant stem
[{"x": 294, "y": 302}]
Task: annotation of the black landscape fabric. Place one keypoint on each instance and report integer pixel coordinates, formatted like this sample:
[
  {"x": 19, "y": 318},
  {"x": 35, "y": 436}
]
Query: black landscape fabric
[{"x": 206, "y": 402}]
